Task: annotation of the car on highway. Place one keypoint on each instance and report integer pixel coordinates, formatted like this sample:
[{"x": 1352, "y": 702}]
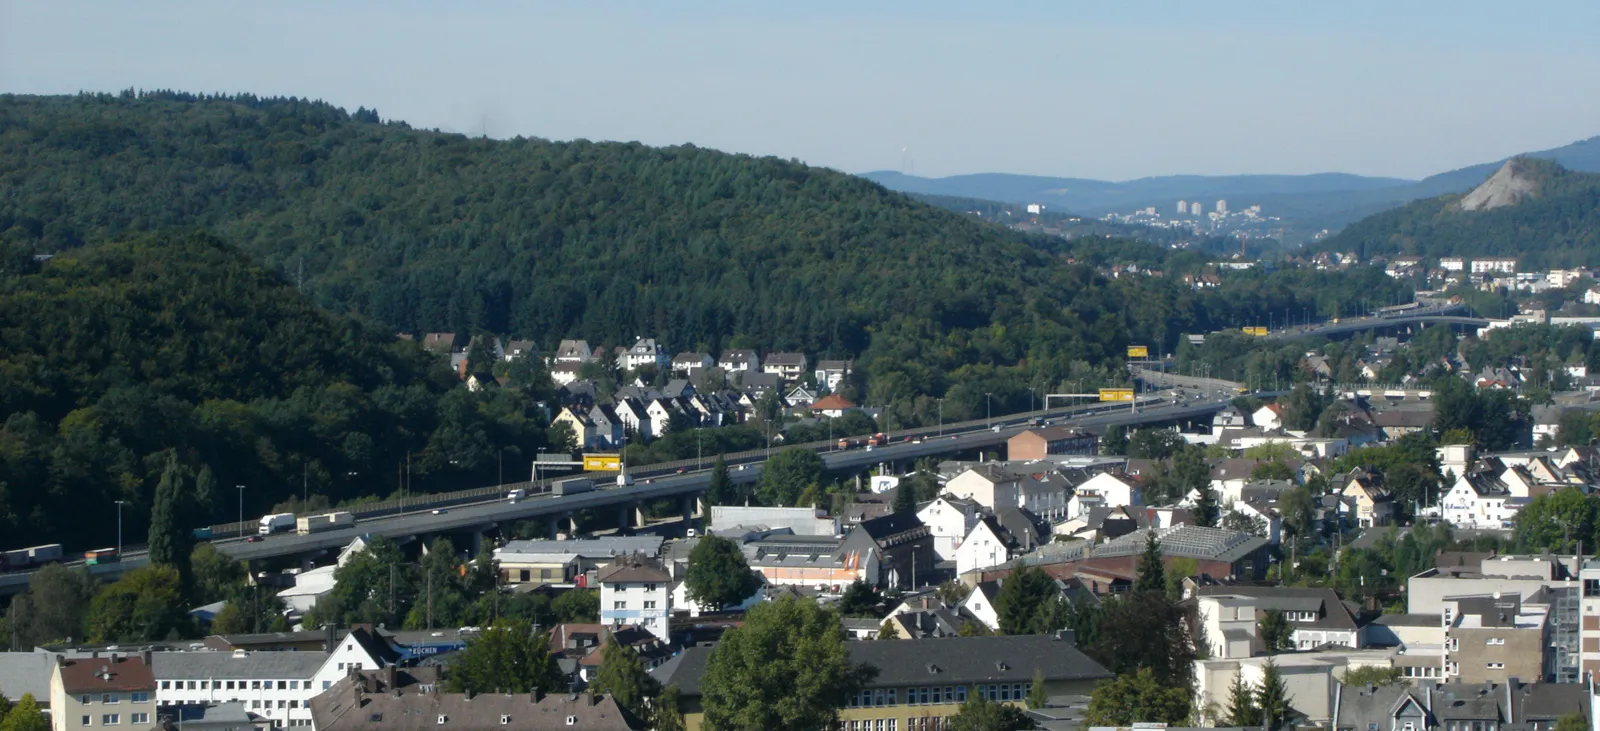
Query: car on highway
[
  {"x": 439, "y": 511},
  {"x": 253, "y": 539},
  {"x": 682, "y": 470}
]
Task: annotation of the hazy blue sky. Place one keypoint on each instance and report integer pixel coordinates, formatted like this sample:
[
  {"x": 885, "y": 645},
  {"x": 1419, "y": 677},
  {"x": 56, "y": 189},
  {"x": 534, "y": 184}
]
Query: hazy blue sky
[{"x": 1108, "y": 89}]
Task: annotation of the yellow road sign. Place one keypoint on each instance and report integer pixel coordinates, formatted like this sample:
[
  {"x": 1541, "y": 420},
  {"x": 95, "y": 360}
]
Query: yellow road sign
[
  {"x": 1116, "y": 394},
  {"x": 1138, "y": 351},
  {"x": 602, "y": 463},
  {"x": 1255, "y": 331}
]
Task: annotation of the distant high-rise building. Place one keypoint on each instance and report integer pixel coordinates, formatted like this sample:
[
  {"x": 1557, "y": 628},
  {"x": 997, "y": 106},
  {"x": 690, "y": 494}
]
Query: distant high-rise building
[
  {"x": 1183, "y": 207},
  {"x": 1196, "y": 209},
  {"x": 1150, "y": 211},
  {"x": 1222, "y": 206},
  {"x": 1034, "y": 209}
]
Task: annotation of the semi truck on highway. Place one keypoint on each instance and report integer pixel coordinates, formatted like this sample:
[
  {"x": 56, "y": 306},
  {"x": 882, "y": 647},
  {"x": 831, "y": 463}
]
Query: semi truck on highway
[
  {"x": 276, "y": 523},
  {"x": 571, "y": 486},
  {"x": 326, "y": 521},
  {"x": 101, "y": 555},
  {"x": 23, "y": 558}
]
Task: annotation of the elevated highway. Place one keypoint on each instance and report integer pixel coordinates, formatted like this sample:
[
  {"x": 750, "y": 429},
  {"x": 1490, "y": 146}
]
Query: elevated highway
[
  {"x": 476, "y": 511},
  {"x": 1441, "y": 315}
]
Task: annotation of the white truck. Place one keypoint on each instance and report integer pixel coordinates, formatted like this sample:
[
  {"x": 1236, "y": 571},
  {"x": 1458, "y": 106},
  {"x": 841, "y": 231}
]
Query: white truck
[
  {"x": 276, "y": 523},
  {"x": 326, "y": 521},
  {"x": 516, "y": 494}
]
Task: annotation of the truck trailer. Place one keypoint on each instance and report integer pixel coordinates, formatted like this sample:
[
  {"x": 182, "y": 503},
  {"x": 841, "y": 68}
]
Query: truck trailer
[
  {"x": 326, "y": 521},
  {"x": 573, "y": 485}
]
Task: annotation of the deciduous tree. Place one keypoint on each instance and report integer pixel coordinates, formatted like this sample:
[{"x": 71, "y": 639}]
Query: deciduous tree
[
  {"x": 718, "y": 575},
  {"x": 506, "y": 658},
  {"x": 1138, "y": 697}
]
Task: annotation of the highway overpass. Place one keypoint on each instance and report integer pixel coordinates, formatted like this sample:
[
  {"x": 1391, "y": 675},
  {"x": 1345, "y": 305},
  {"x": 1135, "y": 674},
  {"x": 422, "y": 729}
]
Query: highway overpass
[
  {"x": 485, "y": 509},
  {"x": 1444, "y": 315}
]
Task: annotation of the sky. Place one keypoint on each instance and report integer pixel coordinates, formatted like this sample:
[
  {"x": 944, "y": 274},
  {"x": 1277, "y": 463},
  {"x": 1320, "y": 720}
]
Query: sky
[{"x": 1110, "y": 90}]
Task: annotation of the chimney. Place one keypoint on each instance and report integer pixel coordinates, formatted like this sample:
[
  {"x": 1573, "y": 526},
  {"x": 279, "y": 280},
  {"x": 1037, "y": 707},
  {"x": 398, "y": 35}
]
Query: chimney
[
  {"x": 146, "y": 656},
  {"x": 389, "y": 678},
  {"x": 536, "y": 696}
]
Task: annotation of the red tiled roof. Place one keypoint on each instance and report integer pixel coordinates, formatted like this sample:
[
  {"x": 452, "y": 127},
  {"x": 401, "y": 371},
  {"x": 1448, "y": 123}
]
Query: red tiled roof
[
  {"x": 96, "y": 675},
  {"x": 831, "y": 402}
]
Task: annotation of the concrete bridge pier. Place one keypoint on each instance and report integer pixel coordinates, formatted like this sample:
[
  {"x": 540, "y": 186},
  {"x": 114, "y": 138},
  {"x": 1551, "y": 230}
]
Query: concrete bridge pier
[
  {"x": 624, "y": 518},
  {"x": 688, "y": 505},
  {"x": 477, "y": 542}
]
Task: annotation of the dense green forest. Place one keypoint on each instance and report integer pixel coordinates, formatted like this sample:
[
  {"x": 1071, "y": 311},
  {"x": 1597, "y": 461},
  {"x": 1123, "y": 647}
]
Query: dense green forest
[
  {"x": 1558, "y": 227},
  {"x": 425, "y": 231},
  {"x": 114, "y": 358}
]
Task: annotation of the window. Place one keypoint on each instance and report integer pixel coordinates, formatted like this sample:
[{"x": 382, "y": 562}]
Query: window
[
  {"x": 1452, "y": 643},
  {"x": 326, "y": 683},
  {"x": 619, "y": 605},
  {"x": 375, "y": 718},
  {"x": 255, "y": 685},
  {"x": 110, "y": 698},
  {"x": 282, "y": 704},
  {"x": 1591, "y": 587},
  {"x": 504, "y": 719},
  {"x": 893, "y": 692},
  {"x": 1495, "y": 665},
  {"x": 255, "y": 704},
  {"x": 1495, "y": 641},
  {"x": 572, "y": 720},
  {"x": 294, "y": 685},
  {"x": 110, "y": 719},
  {"x": 84, "y": 721},
  {"x": 649, "y": 604},
  {"x": 961, "y": 694},
  {"x": 166, "y": 685},
  {"x": 294, "y": 704},
  {"x": 651, "y": 587},
  {"x": 191, "y": 685},
  {"x": 83, "y": 699},
  {"x": 138, "y": 718},
  {"x": 443, "y": 718},
  {"x": 283, "y": 685},
  {"x": 139, "y": 698}
]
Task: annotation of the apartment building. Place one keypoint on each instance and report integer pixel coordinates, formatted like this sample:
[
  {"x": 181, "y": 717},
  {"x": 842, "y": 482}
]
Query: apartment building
[
  {"x": 1491, "y": 639},
  {"x": 111, "y": 691},
  {"x": 636, "y": 590}
]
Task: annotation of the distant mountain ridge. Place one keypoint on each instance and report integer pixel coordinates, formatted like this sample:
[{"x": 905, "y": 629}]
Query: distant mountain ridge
[
  {"x": 1309, "y": 202},
  {"x": 1533, "y": 209}
]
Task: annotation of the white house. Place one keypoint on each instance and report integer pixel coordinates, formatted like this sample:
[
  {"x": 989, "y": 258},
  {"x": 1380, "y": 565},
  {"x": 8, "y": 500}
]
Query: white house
[
  {"x": 788, "y": 366},
  {"x": 986, "y": 484},
  {"x": 680, "y": 599},
  {"x": 309, "y": 586},
  {"x": 1268, "y": 417},
  {"x": 574, "y": 351},
  {"x": 358, "y": 649},
  {"x": 635, "y": 417},
  {"x": 980, "y": 604},
  {"x": 985, "y": 546},
  {"x": 950, "y": 519},
  {"x": 645, "y": 352},
  {"x": 686, "y": 364},
  {"x": 636, "y": 590},
  {"x": 1102, "y": 490},
  {"x": 830, "y": 373},
  {"x": 1453, "y": 264},
  {"x": 739, "y": 361},
  {"x": 564, "y": 373},
  {"x": 660, "y": 413},
  {"x": 274, "y": 685},
  {"x": 1478, "y": 501}
]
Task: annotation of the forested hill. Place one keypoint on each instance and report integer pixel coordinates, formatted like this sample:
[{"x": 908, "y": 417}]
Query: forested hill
[
  {"x": 424, "y": 231},
  {"x": 429, "y": 231},
  {"x": 1557, "y": 225},
  {"x": 114, "y": 357}
]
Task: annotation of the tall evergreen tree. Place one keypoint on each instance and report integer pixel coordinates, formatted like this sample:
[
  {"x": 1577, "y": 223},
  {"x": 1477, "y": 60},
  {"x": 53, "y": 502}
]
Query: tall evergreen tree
[
  {"x": 170, "y": 539},
  {"x": 1273, "y": 697},
  {"x": 720, "y": 491},
  {"x": 1205, "y": 508},
  {"x": 1242, "y": 708},
  {"x": 905, "y": 498},
  {"x": 507, "y": 658},
  {"x": 1152, "y": 572}
]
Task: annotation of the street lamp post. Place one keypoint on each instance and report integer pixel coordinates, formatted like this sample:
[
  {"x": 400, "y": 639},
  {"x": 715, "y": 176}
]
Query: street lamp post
[
  {"x": 988, "y": 414},
  {"x": 120, "y": 503},
  {"x": 241, "y": 507},
  {"x": 941, "y": 417}
]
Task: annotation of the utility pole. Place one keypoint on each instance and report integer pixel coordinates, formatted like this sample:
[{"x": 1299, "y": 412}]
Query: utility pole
[
  {"x": 120, "y": 503},
  {"x": 241, "y": 508}
]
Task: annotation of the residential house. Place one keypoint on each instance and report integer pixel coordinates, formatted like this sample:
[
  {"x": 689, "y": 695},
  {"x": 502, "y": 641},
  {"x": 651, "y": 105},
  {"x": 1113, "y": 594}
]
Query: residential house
[
  {"x": 1399, "y": 422},
  {"x": 444, "y": 343},
  {"x": 986, "y": 545},
  {"x": 830, "y": 373},
  {"x": 831, "y": 406},
  {"x": 1105, "y": 490},
  {"x": 359, "y": 649},
  {"x": 1372, "y": 504},
  {"x": 610, "y": 431},
  {"x": 574, "y": 351},
  {"x": 758, "y": 385},
  {"x": 920, "y": 684},
  {"x": 1268, "y": 417},
  {"x": 645, "y": 352},
  {"x": 394, "y": 699},
  {"x": 1459, "y": 706},
  {"x": 987, "y": 484},
  {"x": 788, "y": 366},
  {"x": 635, "y": 589},
  {"x": 635, "y": 417},
  {"x": 687, "y": 364},
  {"x": 583, "y": 429},
  {"x": 518, "y": 349},
  {"x": 564, "y": 373},
  {"x": 800, "y": 397},
  {"x": 113, "y": 689},
  {"x": 1112, "y": 566},
  {"x": 979, "y": 604},
  {"x": 660, "y": 412},
  {"x": 481, "y": 380},
  {"x": 739, "y": 361},
  {"x": 950, "y": 519},
  {"x": 277, "y": 686}
]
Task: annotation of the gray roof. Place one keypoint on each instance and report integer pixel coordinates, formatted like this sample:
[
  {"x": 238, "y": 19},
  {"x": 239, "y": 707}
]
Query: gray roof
[
  {"x": 1409, "y": 620},
  {"x": 942, "y": 661},
  {"x": 232, "y": 666},
  {"x": 1191, "y": 541},
  {"x": 1331, "y": 613},
  {"x": 591, "y": 547},
  {"x": 26, "y": 672}
]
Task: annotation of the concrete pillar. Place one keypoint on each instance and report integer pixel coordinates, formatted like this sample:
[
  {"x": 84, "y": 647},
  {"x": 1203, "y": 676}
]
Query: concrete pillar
[
  {"x": 424, "y": 544},
  {"x": 688, "y": 505},
  {"x": 477, "y": 543},
  {"x": 554, "y": 525},
  {"x": 639, "y": 516},
  {"x": 700, "y": 505},
  {"x": 624, "y": 518}
]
